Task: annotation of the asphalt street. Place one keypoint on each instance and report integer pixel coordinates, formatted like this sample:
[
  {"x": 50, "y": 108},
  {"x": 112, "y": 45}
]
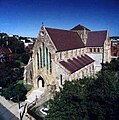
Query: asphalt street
[{"x": 5, "y": 114}]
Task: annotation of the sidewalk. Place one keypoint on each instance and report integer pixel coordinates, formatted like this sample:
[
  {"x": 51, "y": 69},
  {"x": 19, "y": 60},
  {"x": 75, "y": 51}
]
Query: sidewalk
[
  {"x": 32, "y": 96},
  {"x": 10, "y": 111}
]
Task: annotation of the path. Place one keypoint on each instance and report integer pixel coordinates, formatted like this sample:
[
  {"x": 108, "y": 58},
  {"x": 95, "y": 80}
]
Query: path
[{"x": 35, "y": 93}]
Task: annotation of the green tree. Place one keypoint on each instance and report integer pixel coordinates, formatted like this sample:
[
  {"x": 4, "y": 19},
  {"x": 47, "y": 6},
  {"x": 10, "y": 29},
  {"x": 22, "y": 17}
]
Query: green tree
[
  {"x": 25, "y": 58},
  {"x": 113, "y": 65},
  {"x": 69, "y": 103},
  {"x": 15, "y": 90},
  {"x": 101, "y": 94},
  {"x": 87, "y": 99}
]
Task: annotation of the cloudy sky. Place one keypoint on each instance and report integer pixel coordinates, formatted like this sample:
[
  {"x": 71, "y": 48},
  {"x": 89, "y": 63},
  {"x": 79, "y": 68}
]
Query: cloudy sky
[{"x": 24, "y": 17}]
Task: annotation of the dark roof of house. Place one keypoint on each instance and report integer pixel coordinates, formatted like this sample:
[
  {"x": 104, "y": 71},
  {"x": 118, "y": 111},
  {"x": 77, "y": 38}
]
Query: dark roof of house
[
  {"x": 5, "y": 50},
  {"x": 76, "y": 63},
  {"x": 96, "y": 38},
  {"x": 79, "y": 27},
  {"x": 65, "y": 39}
]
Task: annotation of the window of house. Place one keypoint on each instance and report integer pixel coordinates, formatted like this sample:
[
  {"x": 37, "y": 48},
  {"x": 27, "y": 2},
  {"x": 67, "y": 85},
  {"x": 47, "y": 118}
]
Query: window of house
[
  {"x": 47, "y": 58},
  {"x": 94, "y": 49},
  {"x": 40, "y": 58},
  {"x": 43, "y": 54},
  {"x": 50, "y": 63},
  {"x": 98, "y": 49},
  {"x": 61, "y": 82},
  {"x": 90, "y": 49},
  {"x": 92, "y": 67}
]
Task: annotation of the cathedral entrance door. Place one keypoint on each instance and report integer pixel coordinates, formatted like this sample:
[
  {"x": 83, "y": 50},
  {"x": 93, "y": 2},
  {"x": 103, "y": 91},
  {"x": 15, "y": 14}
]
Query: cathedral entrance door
[{"x": 40, "y": 82}]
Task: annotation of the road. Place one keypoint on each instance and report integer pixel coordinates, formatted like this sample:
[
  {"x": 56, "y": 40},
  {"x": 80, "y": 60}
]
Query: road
[
  {"x": 10, "y": 111},
  {"x": 5, "y": 114}
]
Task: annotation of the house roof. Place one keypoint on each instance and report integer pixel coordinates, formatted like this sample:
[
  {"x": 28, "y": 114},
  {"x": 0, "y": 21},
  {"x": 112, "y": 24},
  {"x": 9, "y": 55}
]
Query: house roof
[
  {"x": 79, "y": 27},
  {"x": 5, "y": 50},
  {"x": 76, "y": 63},
  {"x": 65, "y": 39},
  {"x": 96, "y": 38}
]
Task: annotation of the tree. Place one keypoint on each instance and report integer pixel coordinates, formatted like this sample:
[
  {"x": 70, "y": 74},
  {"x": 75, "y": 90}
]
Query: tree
[
  {"x": 87, "y": 99},
  {"x": 15, "y": 90},
  {"x": 112, "y": 66},
  {"x": 25, "y": 58},
  {"x": 101, "y": 94},
  {"x": 69, "y": 103}
]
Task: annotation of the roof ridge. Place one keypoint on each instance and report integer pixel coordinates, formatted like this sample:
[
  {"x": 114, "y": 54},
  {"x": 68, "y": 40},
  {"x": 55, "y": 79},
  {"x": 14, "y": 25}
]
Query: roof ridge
[{"x": 61, "y": 29}]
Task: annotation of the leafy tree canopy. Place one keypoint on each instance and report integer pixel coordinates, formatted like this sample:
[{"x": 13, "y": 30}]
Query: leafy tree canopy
[{"x": 87, "y": 99}]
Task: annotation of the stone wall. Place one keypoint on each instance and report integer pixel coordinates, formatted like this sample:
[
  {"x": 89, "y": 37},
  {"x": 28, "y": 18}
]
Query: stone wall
[{"x": 28, "y": 73}]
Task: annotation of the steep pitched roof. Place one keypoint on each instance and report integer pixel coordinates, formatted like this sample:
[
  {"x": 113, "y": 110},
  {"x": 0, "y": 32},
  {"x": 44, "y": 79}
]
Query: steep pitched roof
[
  {"x": 76, "y": 63},
  {"x": 79, "y": 27},
  {"x": 65, "y": 39},
  {"x": 96, "y": 38}
]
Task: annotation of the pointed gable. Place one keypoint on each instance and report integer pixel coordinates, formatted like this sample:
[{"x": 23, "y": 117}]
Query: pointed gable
[
  {"x": 65, "y": 39},
  {"x": 96, "y": 38},
  {"x": 79, "y": 27}
]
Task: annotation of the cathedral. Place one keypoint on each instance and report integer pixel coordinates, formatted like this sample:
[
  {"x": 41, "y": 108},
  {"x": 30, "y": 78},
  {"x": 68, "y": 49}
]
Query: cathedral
[{"x": 60, "y": 55}]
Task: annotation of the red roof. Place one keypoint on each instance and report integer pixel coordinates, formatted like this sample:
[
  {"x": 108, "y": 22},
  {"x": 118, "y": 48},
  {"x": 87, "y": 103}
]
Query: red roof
[
  {"x": 5, "y": 50},
  {"x": 76, "y": 63},
  {"x": 30, "y": 46},
  {"x": 79, "y": 27},
  {"x": 65, "y": 39},
  {"x": 96, "y": 38}
]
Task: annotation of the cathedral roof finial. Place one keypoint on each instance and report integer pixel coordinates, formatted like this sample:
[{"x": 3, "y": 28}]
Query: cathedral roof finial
[{"x": 42, "y": 24}]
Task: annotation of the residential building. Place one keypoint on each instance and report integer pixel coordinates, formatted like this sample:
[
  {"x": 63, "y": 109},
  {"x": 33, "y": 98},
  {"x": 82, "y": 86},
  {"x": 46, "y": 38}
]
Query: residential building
[{"x": 115, "y": 46}]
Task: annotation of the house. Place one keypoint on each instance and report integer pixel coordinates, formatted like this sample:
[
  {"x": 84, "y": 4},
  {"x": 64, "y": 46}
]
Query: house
[
  {"x": 3, "y": 35},
  {"x": 60, "y": 55},
  {"x": 27, "y": 40},
  {"x": 115, "y": 46}
]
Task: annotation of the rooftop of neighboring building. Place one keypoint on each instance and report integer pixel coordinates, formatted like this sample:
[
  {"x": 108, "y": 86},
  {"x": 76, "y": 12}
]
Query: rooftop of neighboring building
[
  {"x": 114, "y": 38},
  {"x": 5, "y": 50}
]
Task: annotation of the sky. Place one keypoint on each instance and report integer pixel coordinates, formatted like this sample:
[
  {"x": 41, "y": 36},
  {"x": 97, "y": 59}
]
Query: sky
[{"x": 25, "y": 17}]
